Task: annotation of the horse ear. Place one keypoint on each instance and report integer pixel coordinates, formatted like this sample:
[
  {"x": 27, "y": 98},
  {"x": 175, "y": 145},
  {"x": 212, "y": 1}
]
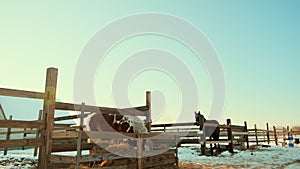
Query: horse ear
[{"x": 199, "y": 113}]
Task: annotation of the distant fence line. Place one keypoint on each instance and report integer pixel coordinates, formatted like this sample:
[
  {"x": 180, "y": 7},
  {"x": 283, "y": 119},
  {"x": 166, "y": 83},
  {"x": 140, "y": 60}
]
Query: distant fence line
[{"x": 234, "y": 136}]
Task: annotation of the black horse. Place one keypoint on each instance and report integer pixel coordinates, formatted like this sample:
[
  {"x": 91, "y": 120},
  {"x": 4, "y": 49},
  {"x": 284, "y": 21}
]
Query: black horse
[{"x": 210, "y": 128}]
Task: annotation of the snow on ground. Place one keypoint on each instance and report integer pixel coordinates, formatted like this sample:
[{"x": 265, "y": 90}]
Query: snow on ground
[
  {"x": 261, "y": 157},
  {"x": 18, "y": 159}
]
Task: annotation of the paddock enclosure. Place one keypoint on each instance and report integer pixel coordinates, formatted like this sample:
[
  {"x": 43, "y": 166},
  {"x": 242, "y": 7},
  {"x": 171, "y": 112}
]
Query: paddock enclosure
[{"x": 52, "y": 137}]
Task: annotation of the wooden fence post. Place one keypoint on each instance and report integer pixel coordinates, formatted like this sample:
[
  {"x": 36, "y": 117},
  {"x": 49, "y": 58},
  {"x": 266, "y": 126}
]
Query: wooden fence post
[
  {"x": 275, "y": 136},
  {"x": 42, "y": 148},
  {"x": 38, "y": 133},
  {"x": 139, "y": 151},
  {"x": 246, "y": 136},
  {"x": 7, "y": 135},
  {"x": 148, "y": 117},
  {"x": 268, "y": 133},
  {"x": 24, "y": 136},
  {"x": 256, "y": 137},
  {"x": 229, "y": 133},
  {"x": 48, "y": 109},
  {"x": 176, "y": 150},
  {"x": 80, "y": 131},
  {"x": 283, "y": 133}
]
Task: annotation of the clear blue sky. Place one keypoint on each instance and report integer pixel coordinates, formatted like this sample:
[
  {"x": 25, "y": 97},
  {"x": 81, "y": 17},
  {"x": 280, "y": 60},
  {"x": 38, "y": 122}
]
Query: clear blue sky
[{"x": 257, "y": 43}]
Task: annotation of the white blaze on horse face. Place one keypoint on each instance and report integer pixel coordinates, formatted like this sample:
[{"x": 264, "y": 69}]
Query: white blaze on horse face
[{"x": 115, "y": 119}]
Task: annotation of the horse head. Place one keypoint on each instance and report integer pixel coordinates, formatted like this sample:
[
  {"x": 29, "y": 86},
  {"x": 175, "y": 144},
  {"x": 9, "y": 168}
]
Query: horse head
[{"x": 200, "y": 119}]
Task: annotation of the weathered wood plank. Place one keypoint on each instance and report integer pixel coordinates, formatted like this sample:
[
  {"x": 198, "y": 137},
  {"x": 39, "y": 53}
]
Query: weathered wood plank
[
  {"x": 258, "y": 130},
  {"x": 8, "y": 135},
  {"x": 137, "y": 111},
  {"x": 98, "y": 157},
  {"x": 21, "y": 93},
  {"x": 173, "y": 124},
  {"x": 70, "y": 147},
  {"x": 33, "y": 131},
  {"x": 139, "y": 153},
  {"x": 66, "y": 118},
  {"x": 62, "y": 159},
  {"x": 258, "y": 134},
  {"x": 150, "y": 164},
  {"x": 20, "y": 143},
  {"x": 68, "y": 135},
  {"x": 2, "y": 114},
  {"x": 167, "y": 158},
  {"x": 58, "y": 127},
  {"x": 20, "y": 124},
  {"x": 49, "y": 111},
  {"x": 235, "y": 133},
  {"x": 131, "y": 166},
  {"x": 148, "y": 115}
]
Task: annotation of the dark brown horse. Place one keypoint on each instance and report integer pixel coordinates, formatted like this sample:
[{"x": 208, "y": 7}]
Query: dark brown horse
[
  {"x": 210, "y": 128},
  {"x": 110, "y": 122},
  {"x": 119, "y": 123}
]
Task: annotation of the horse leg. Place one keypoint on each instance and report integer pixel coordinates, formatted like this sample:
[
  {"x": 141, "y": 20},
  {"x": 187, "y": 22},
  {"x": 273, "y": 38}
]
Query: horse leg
[{"x": 211, "y": 147}]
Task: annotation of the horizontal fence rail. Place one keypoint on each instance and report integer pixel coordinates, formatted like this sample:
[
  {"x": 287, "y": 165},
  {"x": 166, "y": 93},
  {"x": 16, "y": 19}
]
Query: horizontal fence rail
[
  {"x": 137, "y": 111},
  {"x": 21, "y": 93},
  {"x": 21, "y": 124}
]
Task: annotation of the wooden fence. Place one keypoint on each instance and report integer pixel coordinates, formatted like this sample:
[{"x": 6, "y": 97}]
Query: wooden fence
[
  {"x": 2, "y": 114},
  {"x": 51, "y": 137},
  {"x": 77, "y": 139},
  {"x": 18, "y": 137},
  {"x": 231, "y": 136}
]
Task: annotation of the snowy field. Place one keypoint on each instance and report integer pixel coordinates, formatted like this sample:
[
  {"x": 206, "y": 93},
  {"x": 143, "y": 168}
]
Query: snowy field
[{"x": 260, "y": 158}]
